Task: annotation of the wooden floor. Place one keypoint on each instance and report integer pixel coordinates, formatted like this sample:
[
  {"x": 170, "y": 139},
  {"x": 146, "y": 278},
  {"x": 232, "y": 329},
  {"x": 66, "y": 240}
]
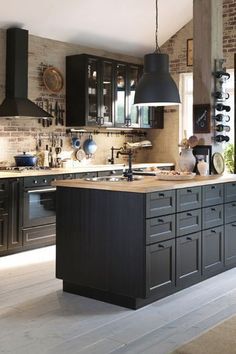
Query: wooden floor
[{"x": 36, "y": 317}]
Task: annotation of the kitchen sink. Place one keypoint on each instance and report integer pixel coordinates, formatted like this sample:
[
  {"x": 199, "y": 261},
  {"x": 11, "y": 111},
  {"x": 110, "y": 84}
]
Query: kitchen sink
[{"x": 111, "y": 179}]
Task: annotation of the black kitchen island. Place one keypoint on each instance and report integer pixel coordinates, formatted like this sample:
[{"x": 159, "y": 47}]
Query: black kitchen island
[{"x": 131, "y": 243}]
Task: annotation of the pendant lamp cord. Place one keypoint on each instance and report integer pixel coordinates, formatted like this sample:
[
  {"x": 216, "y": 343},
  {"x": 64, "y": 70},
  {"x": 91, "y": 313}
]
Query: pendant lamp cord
[{"x": 158, "y": 50}]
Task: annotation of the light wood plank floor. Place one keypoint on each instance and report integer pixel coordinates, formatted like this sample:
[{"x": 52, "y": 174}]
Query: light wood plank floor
[{"x": 37, "y": 317}]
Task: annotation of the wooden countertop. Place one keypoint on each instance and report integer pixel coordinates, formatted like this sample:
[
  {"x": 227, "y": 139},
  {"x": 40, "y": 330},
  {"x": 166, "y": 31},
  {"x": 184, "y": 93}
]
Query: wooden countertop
[
  {"x": 82, "y": 169},
  {"x": 147, "y": 184}
]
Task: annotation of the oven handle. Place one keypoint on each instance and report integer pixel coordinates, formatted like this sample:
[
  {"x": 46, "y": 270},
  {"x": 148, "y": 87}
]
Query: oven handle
[{"x": 41, "y": 190}]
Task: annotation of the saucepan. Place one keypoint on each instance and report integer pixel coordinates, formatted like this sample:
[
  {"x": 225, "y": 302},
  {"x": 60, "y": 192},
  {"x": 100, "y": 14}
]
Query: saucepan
[
  {"x": 25, "y": 160},
  {"x": 89, "y": 146}
]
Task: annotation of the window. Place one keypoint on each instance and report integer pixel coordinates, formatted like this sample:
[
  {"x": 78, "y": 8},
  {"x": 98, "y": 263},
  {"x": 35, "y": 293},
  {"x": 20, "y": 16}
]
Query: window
[{"x": 186, "y": 111}]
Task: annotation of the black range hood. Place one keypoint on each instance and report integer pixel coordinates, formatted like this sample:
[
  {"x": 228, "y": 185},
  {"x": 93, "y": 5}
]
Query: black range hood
[{"x": 16, "y": 102}]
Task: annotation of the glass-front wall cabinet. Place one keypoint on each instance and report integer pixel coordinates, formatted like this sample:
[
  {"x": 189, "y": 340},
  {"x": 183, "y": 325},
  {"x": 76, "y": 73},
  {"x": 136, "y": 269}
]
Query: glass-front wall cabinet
[
  {"x": 93, "y": 103},
  {"x": 106, "y": 107},
  {"x": 100, "y": 92}
]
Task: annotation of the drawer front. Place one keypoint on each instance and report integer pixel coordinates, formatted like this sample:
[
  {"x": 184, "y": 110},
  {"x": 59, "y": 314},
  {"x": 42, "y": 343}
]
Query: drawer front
[
  {"x": 213, "y": 251},
  {"x": 212, "y": 194},
  {"x": 212, "y": 216},
  {"x": 160, "y": 203},
  {"x": 40, "y": 235},
  {"x": 85, "y": 175},
  {"x": 188, "y": 222},
  {"x": 230, "y": 192},
  {"x": 4, "y": 187},
  {"x": 188, "y": 198},
  {"x": 230, "y": 212},
  {"x": 160, "y": 229}
]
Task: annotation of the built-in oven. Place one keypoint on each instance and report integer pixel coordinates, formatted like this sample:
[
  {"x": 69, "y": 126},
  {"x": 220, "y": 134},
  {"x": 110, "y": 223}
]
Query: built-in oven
[{"x": 39, "y": 210}]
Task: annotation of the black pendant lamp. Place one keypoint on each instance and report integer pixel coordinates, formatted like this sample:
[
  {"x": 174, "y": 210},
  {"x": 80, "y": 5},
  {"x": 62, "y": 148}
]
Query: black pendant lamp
[{"x": 156, "y": 86}]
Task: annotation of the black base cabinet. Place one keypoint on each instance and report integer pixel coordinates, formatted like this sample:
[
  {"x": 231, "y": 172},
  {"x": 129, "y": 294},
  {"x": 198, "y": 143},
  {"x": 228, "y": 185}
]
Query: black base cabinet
[{"x": 129, "y": 249}]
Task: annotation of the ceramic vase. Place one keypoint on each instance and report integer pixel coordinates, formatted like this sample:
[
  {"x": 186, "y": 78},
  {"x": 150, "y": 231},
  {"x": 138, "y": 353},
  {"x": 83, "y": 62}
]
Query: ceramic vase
[
  {"x": 187, "y": 160},
  {"x": 202, "y": 167}
]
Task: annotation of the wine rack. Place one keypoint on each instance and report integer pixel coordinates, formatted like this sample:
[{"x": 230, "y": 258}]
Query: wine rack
[{"x": 221, "y": 108}]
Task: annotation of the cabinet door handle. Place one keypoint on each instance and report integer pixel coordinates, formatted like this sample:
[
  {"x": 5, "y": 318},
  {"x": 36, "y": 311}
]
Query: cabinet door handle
[
  {"x": 160, "y": 220},
  {"x": 161, "y": 246},
  {"x": 213, "y": 187},
  {"x": 189, "y": 190},
  {"x": 213, "y": 209},
  {"x": 214, "y": 231},
  {"x": 233, "y": 204},
  {"x": 233, "y": 224},
  {"x": 233, "y": 184},
  {"x": 189, "y": 238},
  {"x": 189, "y": 214},
  {"x": 161, "y": 194}
]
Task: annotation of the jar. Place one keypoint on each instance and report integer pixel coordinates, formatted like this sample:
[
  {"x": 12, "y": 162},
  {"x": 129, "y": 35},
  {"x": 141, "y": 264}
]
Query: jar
[
  {"x": 187, "y": 160},
  {"x": 202, "y": 167}
]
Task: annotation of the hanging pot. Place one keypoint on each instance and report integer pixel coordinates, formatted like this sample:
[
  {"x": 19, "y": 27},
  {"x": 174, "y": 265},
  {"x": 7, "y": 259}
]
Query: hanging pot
[
  {"x": 25, "y": 160},
  {"x": 89, "y": 146}
]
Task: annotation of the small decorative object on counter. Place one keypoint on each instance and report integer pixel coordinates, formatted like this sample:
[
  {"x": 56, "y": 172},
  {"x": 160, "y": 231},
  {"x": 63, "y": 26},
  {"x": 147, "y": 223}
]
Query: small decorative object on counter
[
  {"x": 187, "y": 160},
  {"x": 202, "y": 167},
  {"x": 218, "y": 163},
  {"x": 46, "y": 157}
]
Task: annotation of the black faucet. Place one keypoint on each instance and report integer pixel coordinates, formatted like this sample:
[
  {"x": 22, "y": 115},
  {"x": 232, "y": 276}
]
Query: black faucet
[
  {"x": 129, "y": 172},
  {"x": 112, "y": 160}
]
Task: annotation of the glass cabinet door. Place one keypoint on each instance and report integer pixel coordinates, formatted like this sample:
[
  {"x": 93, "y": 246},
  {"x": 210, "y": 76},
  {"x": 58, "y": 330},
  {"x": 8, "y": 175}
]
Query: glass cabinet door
[
  {"x": 93, "y": 103},
  {"x": 120, "y": 94},
  {"x": 106, "y": 94},
  {"x": 133, "y": 111}
]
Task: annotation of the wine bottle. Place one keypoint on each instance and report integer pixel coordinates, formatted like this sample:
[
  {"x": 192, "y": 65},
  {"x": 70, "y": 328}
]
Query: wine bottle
[
  {"x": 221, "y": 95},
  {"x": 221, "y": 138},
  {"x": 222, "y": 74},
  {"x": 221, "y": 117},
  {"x": 221, "y": 128},
  {"x": 222, "y": 107}
]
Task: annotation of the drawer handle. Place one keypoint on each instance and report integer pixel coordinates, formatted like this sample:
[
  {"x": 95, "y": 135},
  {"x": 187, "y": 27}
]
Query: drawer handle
[
  {"x": 214, "y": 231},
  {"x": 213, "y": 209},
  {"x": 189, "y": 238},
  {"x": 189, "y": 190},
  {"x": 161, "y": 194},
  {"x": 213, "y": 187},
  {"x": 160, "y": 220},
  {"x": 161, "y": 246},
  {"x": 233, "y": 224},
  {"x": 233, "y": 184},
  {"x": 233, "y": 204},
  {"x": 189, "y": 214}
]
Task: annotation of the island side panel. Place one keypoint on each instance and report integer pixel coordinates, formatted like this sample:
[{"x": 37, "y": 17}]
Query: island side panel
[{"x": 100, "y": 240}]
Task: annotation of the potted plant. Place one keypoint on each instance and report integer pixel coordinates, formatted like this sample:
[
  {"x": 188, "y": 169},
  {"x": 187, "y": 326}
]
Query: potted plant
[{"x": 229, "y": 157}]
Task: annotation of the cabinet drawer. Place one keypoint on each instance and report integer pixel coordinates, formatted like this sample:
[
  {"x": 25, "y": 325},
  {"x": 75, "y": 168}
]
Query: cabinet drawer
[
  {"x": 160, "y": 229},
  {"x": 230, "y": 192},
  {"x": 85, "y": 175},
  {"x": 39, "y": 235},
  {"x": 188, "y": 259},
  {"x": 188, "y": 222},
  {"x": 160, "y": 203},
  {"x": 4, "y": 187},
  {"x": 188, "y": 198},
  {"x": 3, "y": 205},
  {"x": 212, "y": 194},
  {"x": 212, "y": 216},
  {"x": 230, "y": 212}
]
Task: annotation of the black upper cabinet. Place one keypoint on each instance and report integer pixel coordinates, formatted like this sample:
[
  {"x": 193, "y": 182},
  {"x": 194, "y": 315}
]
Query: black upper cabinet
[{"x": 100, "y": 92}]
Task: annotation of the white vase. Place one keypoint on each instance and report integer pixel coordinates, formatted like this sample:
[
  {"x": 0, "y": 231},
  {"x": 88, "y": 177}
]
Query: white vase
[
  {"x": 187, "y": 160},
  {"x": 202, "y": 167}
]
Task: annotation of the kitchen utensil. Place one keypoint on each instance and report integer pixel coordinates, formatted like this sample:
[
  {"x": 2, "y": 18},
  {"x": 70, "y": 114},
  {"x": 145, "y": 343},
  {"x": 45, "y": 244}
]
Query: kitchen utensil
[
  {"x": 75, "y": 143},
  {"x": 25, "y": 160},
  {"x": 52, "y": 79},
  {"x": 89, "y": 146},
  {"x": 80, "y": 155}
]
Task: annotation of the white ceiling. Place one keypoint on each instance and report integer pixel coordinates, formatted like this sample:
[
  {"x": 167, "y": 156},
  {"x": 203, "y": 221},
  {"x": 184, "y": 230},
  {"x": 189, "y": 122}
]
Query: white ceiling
[{"x": 126, "y": 26}]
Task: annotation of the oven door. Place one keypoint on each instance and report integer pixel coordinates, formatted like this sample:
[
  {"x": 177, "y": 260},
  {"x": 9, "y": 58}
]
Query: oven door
[{"x": 39, "y": 206}]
